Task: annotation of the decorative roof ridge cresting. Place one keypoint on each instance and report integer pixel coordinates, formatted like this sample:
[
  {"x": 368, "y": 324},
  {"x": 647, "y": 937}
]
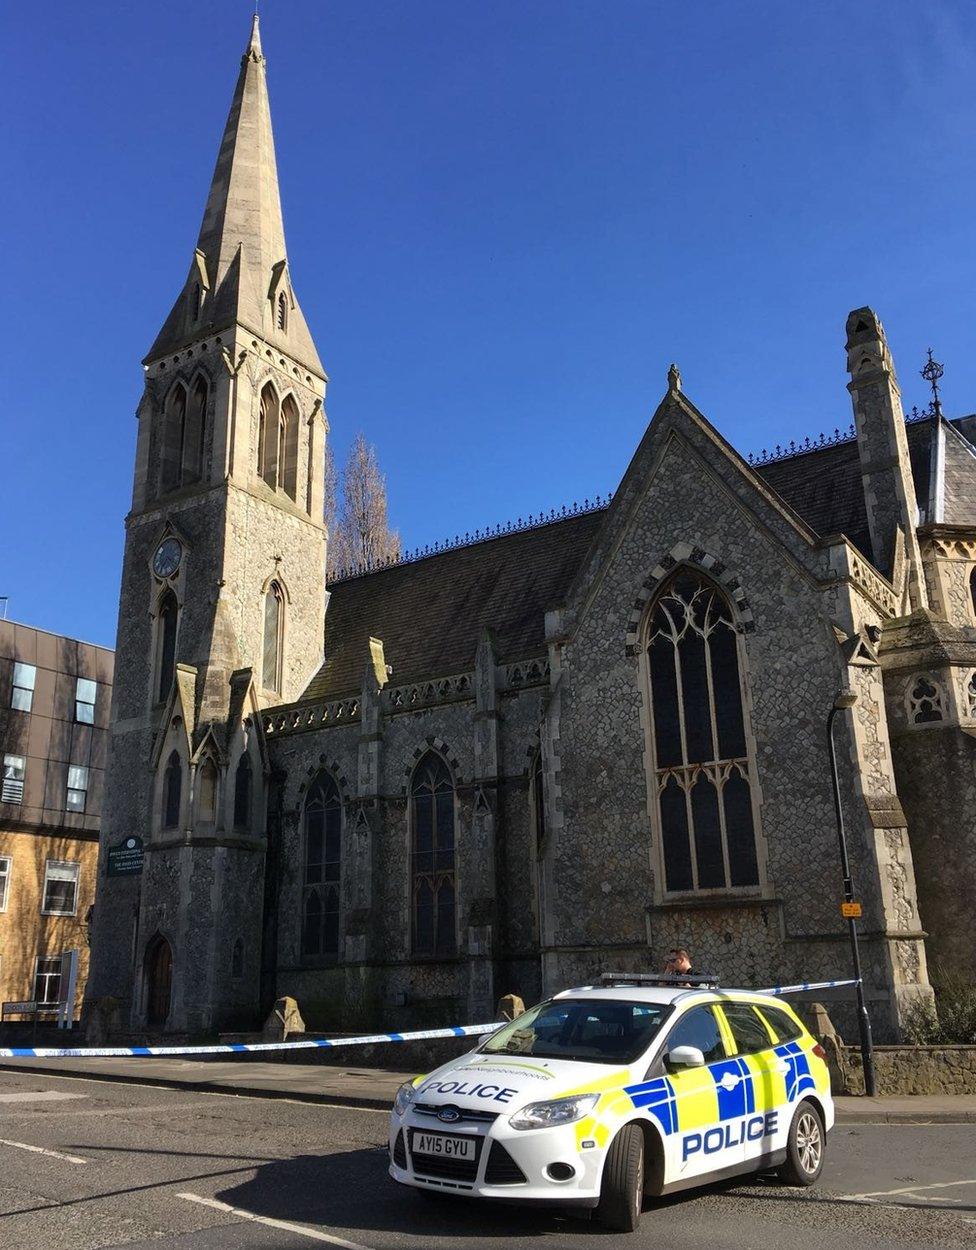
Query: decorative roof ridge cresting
[
  {"x": 839, "y": 436},
  {"x": 470, "y": 539}
]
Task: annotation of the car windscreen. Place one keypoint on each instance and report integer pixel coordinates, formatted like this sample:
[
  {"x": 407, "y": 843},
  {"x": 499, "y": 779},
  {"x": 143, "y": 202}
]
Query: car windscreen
[{"x": 590, "y": 1030}]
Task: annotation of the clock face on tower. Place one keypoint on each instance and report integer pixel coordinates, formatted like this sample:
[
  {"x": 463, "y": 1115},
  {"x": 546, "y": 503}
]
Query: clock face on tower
[{"x": 167, "y": 558}]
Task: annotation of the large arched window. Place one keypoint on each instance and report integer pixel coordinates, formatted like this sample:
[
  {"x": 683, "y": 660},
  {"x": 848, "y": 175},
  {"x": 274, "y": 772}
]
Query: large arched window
[
  {"x": 288, "y": 448},
  {"x": 702, "y": 776},
  {"x": 433, "y": 878},
  {"x": 242, "y": 794},
  {"x": 274, "y": 618},
  {"x": 268, "y": 436},
  {"x": 174, "y": 428},
  {"x": 323, "y": 870},
  {"x": 172, "y": 792},
  {"x": 166, "y": 623},
  {"x": 193, "y": 433}
]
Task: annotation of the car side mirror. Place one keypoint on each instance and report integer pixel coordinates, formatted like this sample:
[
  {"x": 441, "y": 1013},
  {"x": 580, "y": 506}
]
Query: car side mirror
[{"x": 685, "y": 1057}]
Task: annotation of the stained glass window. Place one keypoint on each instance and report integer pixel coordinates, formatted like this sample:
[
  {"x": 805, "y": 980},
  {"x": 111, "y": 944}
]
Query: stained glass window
[{"x": 433, "y": 871}]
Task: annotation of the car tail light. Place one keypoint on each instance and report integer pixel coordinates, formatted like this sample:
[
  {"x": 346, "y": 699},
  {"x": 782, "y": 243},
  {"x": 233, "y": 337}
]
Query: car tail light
[{"x": 819, "y": 1051}]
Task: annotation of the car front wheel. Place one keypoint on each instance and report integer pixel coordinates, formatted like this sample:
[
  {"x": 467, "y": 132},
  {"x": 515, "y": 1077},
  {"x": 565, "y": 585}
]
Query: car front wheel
[
  {"x": 622, "y": 1191},
  {"x": 805, "y": 1147}
]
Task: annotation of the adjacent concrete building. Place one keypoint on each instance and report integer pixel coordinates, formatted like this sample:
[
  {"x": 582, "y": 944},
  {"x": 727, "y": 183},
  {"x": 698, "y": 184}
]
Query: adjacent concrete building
[
  {"x": 555, "y": 749},
  {"x": 55, "y": 695}
]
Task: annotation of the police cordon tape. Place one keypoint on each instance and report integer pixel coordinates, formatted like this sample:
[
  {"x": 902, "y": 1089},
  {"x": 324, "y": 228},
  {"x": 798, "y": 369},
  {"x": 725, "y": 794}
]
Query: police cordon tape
[{"x": 317, "y": 1043}]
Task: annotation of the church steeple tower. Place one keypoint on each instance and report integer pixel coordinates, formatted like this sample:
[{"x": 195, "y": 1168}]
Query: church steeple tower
[
  {"x": 240, "y": 268},
  {"x": 222, "y": 603}
]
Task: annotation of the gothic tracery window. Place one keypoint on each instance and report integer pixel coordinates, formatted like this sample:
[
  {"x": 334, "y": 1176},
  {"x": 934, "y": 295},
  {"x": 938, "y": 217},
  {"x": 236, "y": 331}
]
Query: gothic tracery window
[
  {"x": 207, "y": 781},
  {"x": 268, "y": 436},
  {"x": 925, "y": 700},
  {"x": 288, "y": 448},
  {"x": 433, "y": 875},
  {"x": 703, "y": 781},
  {"x": 172, "y": 792},
  {"x": 274, "y": 615},
  {"x": 174, "y": 430},
  {"x": 191, "y": 455},
  {"x": 323, "y": 870}
]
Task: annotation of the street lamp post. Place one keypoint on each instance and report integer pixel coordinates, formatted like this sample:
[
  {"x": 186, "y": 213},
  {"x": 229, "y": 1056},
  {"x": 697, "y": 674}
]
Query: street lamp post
[{"x": 846, "y": 699}]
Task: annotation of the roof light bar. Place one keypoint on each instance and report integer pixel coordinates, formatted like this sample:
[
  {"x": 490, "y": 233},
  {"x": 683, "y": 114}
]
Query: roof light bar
[{"x": 678, "y": 980}]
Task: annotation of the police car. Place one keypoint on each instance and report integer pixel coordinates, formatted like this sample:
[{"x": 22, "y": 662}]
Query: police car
[{"x": 606, "y": 1093}]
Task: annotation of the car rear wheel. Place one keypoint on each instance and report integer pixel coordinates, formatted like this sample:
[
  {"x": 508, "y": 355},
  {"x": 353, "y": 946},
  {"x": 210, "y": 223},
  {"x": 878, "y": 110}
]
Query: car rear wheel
[
  {"x": 805, "y": 1147},
  {"x": 622, "y": 1191}
]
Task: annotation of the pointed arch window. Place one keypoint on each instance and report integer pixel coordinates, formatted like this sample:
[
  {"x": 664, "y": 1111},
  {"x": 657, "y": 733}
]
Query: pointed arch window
[
  {"x": 274, "y": 618},
  {"x": 433, "y": 873},
  {"x": 538, "y": 805},
  {"x": 282, "y": 311},
  {"x": 193, "y": 434},
  {"x": 242, "y": 793},
  {"x": 172, "y": 792},
  {"x": 174, "y": 423},
  {"x": 268, "y": 437},
  {"x": 703, "y": 783},
  {"x": 207, "y": 783},
  {"x": 288, "y": 448},
  {"x": 166, "y": 623},
  {"x": 321, "y": 909}
]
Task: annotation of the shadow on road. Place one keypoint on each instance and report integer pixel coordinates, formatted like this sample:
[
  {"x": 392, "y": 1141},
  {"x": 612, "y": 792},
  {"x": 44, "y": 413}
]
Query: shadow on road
[{"x": 353, "y": 1191}]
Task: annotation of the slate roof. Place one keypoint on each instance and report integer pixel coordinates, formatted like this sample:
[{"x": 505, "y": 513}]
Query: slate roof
[{"x": 430, "y": 612}]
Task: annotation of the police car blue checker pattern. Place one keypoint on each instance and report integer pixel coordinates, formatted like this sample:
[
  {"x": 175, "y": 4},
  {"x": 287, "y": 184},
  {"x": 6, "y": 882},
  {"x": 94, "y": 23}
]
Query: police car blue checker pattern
[
  {"x": 657, "y": 1097},
  {"x": 733, "y": 1084},
  {"x": 798, "y": 1076}
]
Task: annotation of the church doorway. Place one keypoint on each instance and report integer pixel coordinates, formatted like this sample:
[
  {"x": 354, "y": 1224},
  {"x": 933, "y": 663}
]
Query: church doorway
[{"x": 159, "y": 981}]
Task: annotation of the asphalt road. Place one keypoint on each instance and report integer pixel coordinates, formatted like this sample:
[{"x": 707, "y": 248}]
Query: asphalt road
[{"x": 86, "y": 1164}]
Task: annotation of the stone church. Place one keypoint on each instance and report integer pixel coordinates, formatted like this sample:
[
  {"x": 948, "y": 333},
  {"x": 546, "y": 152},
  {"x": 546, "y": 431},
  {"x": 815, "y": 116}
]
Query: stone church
[{"x": 521, "y": 760}]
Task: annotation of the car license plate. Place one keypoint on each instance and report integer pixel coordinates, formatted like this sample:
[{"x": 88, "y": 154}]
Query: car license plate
[{"x": 446, "y": 1147}]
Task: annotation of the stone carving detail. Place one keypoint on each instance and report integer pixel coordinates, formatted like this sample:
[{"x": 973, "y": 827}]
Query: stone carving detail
[
  {"x": 526, "y": 673},
  {"x": 872, "y": 583},
  {"x": 425, "y": 693},
  {"x": 311, "y": 716},
  {"x": 971, "y": 696}
]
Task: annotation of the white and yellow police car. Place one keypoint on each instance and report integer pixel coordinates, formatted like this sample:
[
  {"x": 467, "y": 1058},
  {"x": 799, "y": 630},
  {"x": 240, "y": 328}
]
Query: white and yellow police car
[{"x": 606, "y": 1093}]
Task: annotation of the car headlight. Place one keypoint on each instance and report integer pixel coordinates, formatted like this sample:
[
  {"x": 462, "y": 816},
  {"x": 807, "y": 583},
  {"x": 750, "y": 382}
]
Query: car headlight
[
  {"x": 550, "y": 1114},
  {"x": 404, "y": 1097}
]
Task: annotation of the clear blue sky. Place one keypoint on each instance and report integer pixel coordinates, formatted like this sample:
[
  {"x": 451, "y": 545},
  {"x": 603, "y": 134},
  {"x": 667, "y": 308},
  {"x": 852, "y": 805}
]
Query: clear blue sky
[{"x": 504, "y": 220}]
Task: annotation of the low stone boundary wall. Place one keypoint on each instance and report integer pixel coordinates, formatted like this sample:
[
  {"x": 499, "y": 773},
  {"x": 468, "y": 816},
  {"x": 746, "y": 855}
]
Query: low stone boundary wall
[{"x": 905, "y": 1069}]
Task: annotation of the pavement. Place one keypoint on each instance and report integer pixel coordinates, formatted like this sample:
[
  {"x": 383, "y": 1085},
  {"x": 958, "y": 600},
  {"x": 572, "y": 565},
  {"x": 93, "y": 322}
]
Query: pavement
[
  {"x": 375, "y": 1087},
  {"x": 98, "y": 1164}
]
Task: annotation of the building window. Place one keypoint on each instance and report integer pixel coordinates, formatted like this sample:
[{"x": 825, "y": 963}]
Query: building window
[
  {"x": 77, "y": 791},
  {"x": 432, "y": 860},
  {"x": 166, "y": 623},
  {"x": 268, "y": 436},
  {"x": 22, "y": 695},
  {"x": 925, "y": 701},
  {"x": 703, "y": 783},
  {"x": 207, "y": 792},
  {"x": 172, "y": 792},
  {"x": 288, "y": 448},
  {"x": 47, "y": 980},
  {"x": 60, "y": 888},
  {"x": 174, "y": 431},
  {"x": 5, "y": 865},
  {"x": 242, "y": 794},
  {"x": 323, "y": 870},
  {"x": 972, "y": 588},
  {"x": 85, "y": 692},
  {"x": 191, "y": 456},
  {"x": 282, "y": 312},
  {"x": 13, "y": 779},
  {"x": 274, "y": 615}
]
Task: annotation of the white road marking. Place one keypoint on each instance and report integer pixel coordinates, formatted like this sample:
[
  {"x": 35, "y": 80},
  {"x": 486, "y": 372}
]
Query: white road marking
[
  {"x": 311, "y": 1233},
  {"x": 41, "y": 1095},
  {"x": 912, "y": 1191},
  {"x": 39, "y": 1150}
]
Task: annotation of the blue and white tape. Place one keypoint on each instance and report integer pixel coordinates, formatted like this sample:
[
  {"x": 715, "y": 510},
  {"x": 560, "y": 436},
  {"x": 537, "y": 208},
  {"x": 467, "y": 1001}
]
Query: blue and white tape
[
  {"x": 237, "y": 1048},
  {"x": 779, "y": 990}
]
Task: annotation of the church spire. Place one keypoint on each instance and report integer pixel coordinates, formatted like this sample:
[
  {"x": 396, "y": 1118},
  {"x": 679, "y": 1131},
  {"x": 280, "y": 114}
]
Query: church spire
[{"x": 240, "y": 270}]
